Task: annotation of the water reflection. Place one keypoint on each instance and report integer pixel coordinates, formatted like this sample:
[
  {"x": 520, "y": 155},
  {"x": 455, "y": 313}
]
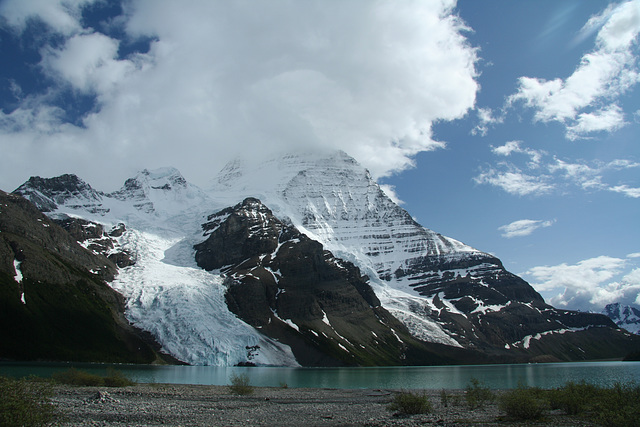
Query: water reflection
[{"x": 422, "y": 377}]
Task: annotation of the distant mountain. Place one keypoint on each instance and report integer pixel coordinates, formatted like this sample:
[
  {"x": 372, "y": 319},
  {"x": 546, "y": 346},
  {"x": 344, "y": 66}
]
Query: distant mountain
[
  {"x": 626, "y": 317},
  {"x": 54, "y": 301},
  {"x": 303, "y": 259}
]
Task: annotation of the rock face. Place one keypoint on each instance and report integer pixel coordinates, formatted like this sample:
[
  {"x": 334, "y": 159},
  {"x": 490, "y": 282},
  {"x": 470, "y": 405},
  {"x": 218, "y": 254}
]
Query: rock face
[
  {"x": 287, "y": 286},
  {"x": 54, "y": 302},
  {"x": 69, "y": 190},
  {"x": 625, "y": 316}
]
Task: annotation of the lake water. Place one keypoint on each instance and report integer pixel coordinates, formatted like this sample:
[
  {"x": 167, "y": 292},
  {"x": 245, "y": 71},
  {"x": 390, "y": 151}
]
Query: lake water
[{"x": 546, "y": 375}]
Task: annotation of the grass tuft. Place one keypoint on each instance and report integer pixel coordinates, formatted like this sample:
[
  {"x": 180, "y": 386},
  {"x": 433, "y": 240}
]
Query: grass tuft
[
  {"x": 408, "y": 403},
  {"x": 240, "y": 384}
]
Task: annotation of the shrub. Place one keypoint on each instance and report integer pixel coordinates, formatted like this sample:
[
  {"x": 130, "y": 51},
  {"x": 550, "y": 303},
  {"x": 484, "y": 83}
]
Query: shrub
[
  {"x": 524, "y": 403},
  {"x": 574, "y": 398},
  {"x": 408, "y": 403},
  {"x": 240, "y": 384},
  {"x": 25, "y": 403},
  {"x": 444, "y": 398},
  {"x": 478, "y": 395},
  {"x": 617, "y": 406},
  {"x": 77, "y": 377},
  {"x": 117, "y": 379}
]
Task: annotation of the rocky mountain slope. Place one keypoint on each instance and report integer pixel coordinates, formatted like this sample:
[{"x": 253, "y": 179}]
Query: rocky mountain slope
[
  {"x": 626, "y": 317},
  {"x": 215, "y": 272},
  {"x": 54, "y": 301}
]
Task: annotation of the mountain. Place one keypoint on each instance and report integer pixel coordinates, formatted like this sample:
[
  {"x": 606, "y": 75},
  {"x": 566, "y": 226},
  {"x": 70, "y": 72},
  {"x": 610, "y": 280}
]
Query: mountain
[
  {"x": 67, "y": 190},
  {"x": 55, "y": 303},
  {"x": 626, "y": 317},
  {"x": 291, "y": 261}
]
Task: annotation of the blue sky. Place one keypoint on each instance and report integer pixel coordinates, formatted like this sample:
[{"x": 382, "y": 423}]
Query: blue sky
[{"x": 512, "y": 126}]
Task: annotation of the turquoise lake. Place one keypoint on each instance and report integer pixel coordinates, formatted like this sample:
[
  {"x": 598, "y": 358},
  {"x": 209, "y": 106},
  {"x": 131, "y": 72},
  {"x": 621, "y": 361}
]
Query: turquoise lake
[{"x": 545, "y": 375}]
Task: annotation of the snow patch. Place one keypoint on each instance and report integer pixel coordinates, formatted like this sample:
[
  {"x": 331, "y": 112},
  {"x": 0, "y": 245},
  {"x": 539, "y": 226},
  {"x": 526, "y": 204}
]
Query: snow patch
[{"x": 16, "y": 266}]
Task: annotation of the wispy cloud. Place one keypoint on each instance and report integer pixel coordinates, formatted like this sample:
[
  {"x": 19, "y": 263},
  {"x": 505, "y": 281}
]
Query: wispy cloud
[
  {"x": 633, "y": 192},
  {"x": 543, "y": 173},
  {"x": 516, "y": 147},
  {"x": 515, "y": 182},
  {"x": 486, "y": 119},
  {"x": 583, "y": 101},
  {"x": 523, "y": 227},
  {"x": 588, "y": 284}
]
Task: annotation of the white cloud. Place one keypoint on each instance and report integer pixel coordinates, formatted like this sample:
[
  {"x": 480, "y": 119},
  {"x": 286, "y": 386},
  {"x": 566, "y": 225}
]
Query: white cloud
[
  {"x": 588, "y": 284},
  {"x": 516, "y": 147},
  {"x": 544, "y": 174},
  {"x": 89, "y": 63},
  {"x": 604, "y": 74},
  {"x": 485, "y": 119},
  {"x": 633, "y": 192},
  {"x": 61, "y": 15},
  {"x": 609, "y": 119},
  {"x": 515, "y": 182},
  {"x": 223, "y": 78},
  {"x": 523, "y": 227}
]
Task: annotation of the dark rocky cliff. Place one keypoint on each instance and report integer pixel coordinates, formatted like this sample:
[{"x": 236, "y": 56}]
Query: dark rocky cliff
[{"x": 54, "y": 302}]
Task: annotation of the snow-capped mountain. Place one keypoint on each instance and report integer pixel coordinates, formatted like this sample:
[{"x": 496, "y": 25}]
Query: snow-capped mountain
[
  {"x": 444, "y": 293},
  {"x": 65, "y": 190},
  {"x": 626, "y": 317}
]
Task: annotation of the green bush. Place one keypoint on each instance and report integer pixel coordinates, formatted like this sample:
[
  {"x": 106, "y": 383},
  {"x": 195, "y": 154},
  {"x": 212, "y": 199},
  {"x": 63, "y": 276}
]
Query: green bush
[
  {"x": 25, "y": 403},
  {"x": 444, "y": 398},
  {"x": 240, "y": 384},
  {"x": 478, "y": 395},
  {"x": 117, "y": 379},
  {"x": 617, "y": 406},
  {"x": 408, "y": 403},
  {"x": 574, "y": 398},
  {"x": 524, "y": 403},
  {"x": 77, "y": 377}
]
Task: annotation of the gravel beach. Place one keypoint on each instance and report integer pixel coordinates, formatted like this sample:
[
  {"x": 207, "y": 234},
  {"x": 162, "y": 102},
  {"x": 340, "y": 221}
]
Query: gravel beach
[{"x": 193, "y": 405}]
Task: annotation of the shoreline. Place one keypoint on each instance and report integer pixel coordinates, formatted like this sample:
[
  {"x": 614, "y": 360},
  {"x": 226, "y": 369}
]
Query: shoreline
[{"x": 206, "y": 405}]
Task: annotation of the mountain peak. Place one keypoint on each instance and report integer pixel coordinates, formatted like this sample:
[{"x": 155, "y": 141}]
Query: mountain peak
[
  {"x": 159, "y": 190},
  {"x": 625, "y": 316},
  {"x": 68, "y": 189}
]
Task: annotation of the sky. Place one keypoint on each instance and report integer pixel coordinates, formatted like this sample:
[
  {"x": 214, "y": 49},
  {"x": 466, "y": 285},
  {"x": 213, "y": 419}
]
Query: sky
[{"x": 512, "y": 126}]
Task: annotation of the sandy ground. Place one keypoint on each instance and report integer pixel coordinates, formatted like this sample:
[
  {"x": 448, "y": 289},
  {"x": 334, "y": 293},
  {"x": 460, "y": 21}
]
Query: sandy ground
[{"x": 190, "y": 405}]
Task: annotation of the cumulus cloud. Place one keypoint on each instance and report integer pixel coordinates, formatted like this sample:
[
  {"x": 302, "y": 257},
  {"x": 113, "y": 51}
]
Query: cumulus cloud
[
  {"x": 608, "y": 119},
  {"x": 89, "y": 63},
  {"x": 582, "y": 101},
  {"x": 588, "y": 284},
  {"x": 523, "y": 227},
  {"x": 62, "y": 16},
  {"x": 228, "y": 78}
]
